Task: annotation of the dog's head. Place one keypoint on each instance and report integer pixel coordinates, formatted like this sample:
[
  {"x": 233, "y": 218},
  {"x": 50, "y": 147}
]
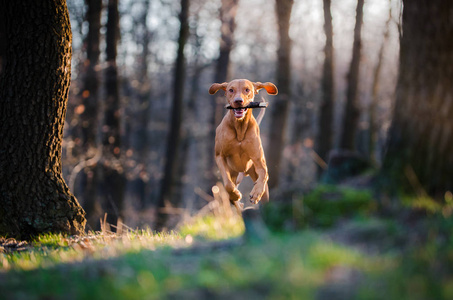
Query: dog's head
[{"x": 240, "y": 92}]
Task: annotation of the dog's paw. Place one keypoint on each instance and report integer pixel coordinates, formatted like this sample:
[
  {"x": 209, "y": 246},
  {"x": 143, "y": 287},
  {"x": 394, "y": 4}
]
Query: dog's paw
[
  {"x": 233, "y": 192},
  {"x": 256, "y": 194},
  {"x": 235, "y": 195}
]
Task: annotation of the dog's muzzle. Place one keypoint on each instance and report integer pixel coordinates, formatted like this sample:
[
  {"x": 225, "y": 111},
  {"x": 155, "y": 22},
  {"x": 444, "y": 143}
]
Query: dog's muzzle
[{"x": 240, "y": 112}]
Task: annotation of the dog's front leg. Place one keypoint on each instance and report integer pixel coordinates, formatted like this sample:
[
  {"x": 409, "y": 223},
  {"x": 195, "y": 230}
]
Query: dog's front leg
[
  {"x": 261, "y": 181},
  {"x": 230, "y": 186}
]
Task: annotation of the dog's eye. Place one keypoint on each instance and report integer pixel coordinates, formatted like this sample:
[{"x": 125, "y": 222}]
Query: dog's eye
[
  {"x": 231, "y": 91},
  {"x": 247, "y": 90}
]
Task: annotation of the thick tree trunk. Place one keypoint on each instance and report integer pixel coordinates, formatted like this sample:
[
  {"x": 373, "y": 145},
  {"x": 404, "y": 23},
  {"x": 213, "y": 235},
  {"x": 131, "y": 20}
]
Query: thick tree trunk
[
  {"x": 279, "y": 111},
  {"x": 113, "y": 172},
  {"x": 352, "y": 110},
  {"x": 325, "y": 134},
  {"x": 2, "y": 42},
  {"x": 420, "y": 143},
  {"x": 227, "y": 16},
  {"x": 174, "y": 135},
  {"x": 34, "y": 197}
]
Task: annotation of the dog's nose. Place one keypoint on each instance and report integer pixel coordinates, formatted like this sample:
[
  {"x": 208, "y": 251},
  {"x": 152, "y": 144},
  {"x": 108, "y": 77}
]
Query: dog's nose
[{"x": 239, "y": 101}]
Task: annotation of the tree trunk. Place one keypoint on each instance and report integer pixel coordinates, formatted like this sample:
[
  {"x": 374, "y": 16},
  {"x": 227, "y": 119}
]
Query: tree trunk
[
  {"x": 420, "y": 144},
  {"x": 352, "y": 110},
  {"x": 34, "y": 91},
  {"x": 139, "y": 109},
  {"x": 2, "y": 42},
  {"x": 91, "y": 81},
  {"x": 227, "y": 28},
  {"x": 113, "y": 172},
  {"x": 372, "y": 110},
  {"x": 279, "y": 110},
  {"x": 90, "y": 99},
  {"x": 325, "y": 134},
  {"x": 174, "y": 136}
]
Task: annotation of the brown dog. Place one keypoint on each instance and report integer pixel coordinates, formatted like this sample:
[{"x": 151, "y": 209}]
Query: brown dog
[{"x": 238, "y": 149}]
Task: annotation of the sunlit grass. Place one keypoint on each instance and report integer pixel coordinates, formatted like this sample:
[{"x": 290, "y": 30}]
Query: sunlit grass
[
  {"x": 49, "y": 250},
  {"x": 187, "y": 264},
  {"x": 143, "y": 264},
  {"x": 214, "y": 228}
]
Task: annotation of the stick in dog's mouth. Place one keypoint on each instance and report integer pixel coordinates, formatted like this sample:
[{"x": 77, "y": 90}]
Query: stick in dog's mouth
[{"x": 251, "y": 105}]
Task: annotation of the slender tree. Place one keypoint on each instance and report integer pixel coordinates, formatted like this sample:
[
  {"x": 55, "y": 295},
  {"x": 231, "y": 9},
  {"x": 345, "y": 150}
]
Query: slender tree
[
  {"x": 227, "y": 15},
  {"x": 174, "y": 136},
  {"x": 113, "y": 172},
  {"x": 140, "y": 110},
  {"x": 90, "y": 101},
  {"x": 325, "y": 135},
  {"x": 279, "y": 112},
  {"x": 34, "y": 91},
  {"x": 352, "y": 110},
  {"x": 91, "y": 80},
  {"x": 373, "y": 108},
  {"x": 420, "y": 144}
]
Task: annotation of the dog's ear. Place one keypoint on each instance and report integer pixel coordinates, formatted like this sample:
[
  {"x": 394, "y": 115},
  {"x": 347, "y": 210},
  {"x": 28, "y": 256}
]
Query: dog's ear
[
  {"x": 217, "y": 86},
  {"x": 270, "y": 88}
]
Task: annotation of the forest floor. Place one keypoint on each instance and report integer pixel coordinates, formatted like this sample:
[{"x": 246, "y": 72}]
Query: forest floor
[{"x": 350, "y": 255}]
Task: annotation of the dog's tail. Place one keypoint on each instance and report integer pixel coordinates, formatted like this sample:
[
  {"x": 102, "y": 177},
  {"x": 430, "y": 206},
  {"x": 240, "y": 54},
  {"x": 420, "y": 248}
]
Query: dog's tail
[{"x": 261, "y": 114}]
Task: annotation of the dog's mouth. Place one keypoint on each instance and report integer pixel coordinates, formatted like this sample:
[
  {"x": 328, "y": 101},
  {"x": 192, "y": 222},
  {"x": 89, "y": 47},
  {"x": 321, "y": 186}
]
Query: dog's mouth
[{"x": 239, "y": 112}]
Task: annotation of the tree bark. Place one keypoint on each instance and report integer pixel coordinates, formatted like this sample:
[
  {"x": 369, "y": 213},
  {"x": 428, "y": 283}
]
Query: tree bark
[
  {"x": 2, "y": 42},
  {"x": 420, "y": 144},
  {"x": 174, "y": 135},
  {"x": 279, "y": 111},
  {"x": 34, "y": 91},
  {"x": 352, "y": 110},
  {"x": 325, "y": 134}
]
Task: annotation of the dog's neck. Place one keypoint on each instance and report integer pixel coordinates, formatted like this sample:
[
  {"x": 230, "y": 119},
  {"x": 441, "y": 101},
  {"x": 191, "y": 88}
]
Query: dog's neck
[{"x": 241, "y": 126}]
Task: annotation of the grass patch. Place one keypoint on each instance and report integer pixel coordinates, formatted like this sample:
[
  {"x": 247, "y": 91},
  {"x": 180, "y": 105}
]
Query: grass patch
[
  {"x": 212, "y": 227},
  {"x": 286, "y": 267},
  {"x": 143, "y": 264},
  {"x": 50, "y": 250},
  {"x": 190, "y": 264},
  {"x": 327, "y": 203},
  {"x": 322, "y": 207}
]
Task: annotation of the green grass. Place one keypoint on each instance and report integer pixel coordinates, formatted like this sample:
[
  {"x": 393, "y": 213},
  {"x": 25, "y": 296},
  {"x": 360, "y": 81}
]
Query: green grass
[
  {"x": 192, "y": 264},
  {"x": 213, "y": 227},
  {"x": 322, "y": 207},
  {"x": 285, "y": 267}
]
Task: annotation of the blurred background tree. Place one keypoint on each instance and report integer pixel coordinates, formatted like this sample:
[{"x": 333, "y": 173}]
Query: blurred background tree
[
  {"x": 420, "y": 143},
  {"x": 279, "y": 112},
  {"x": 172, "y": 174},
  {"x": 324, "y": 142},
  {"x": 352, "y": 109}
]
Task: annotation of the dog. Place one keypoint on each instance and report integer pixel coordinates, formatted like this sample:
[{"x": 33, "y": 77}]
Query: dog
[{"x": 238, "y": 148}]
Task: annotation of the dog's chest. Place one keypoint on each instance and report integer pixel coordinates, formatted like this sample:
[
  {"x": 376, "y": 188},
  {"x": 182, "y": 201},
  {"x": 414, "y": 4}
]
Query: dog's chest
[{"x": 237, "y": 155}]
